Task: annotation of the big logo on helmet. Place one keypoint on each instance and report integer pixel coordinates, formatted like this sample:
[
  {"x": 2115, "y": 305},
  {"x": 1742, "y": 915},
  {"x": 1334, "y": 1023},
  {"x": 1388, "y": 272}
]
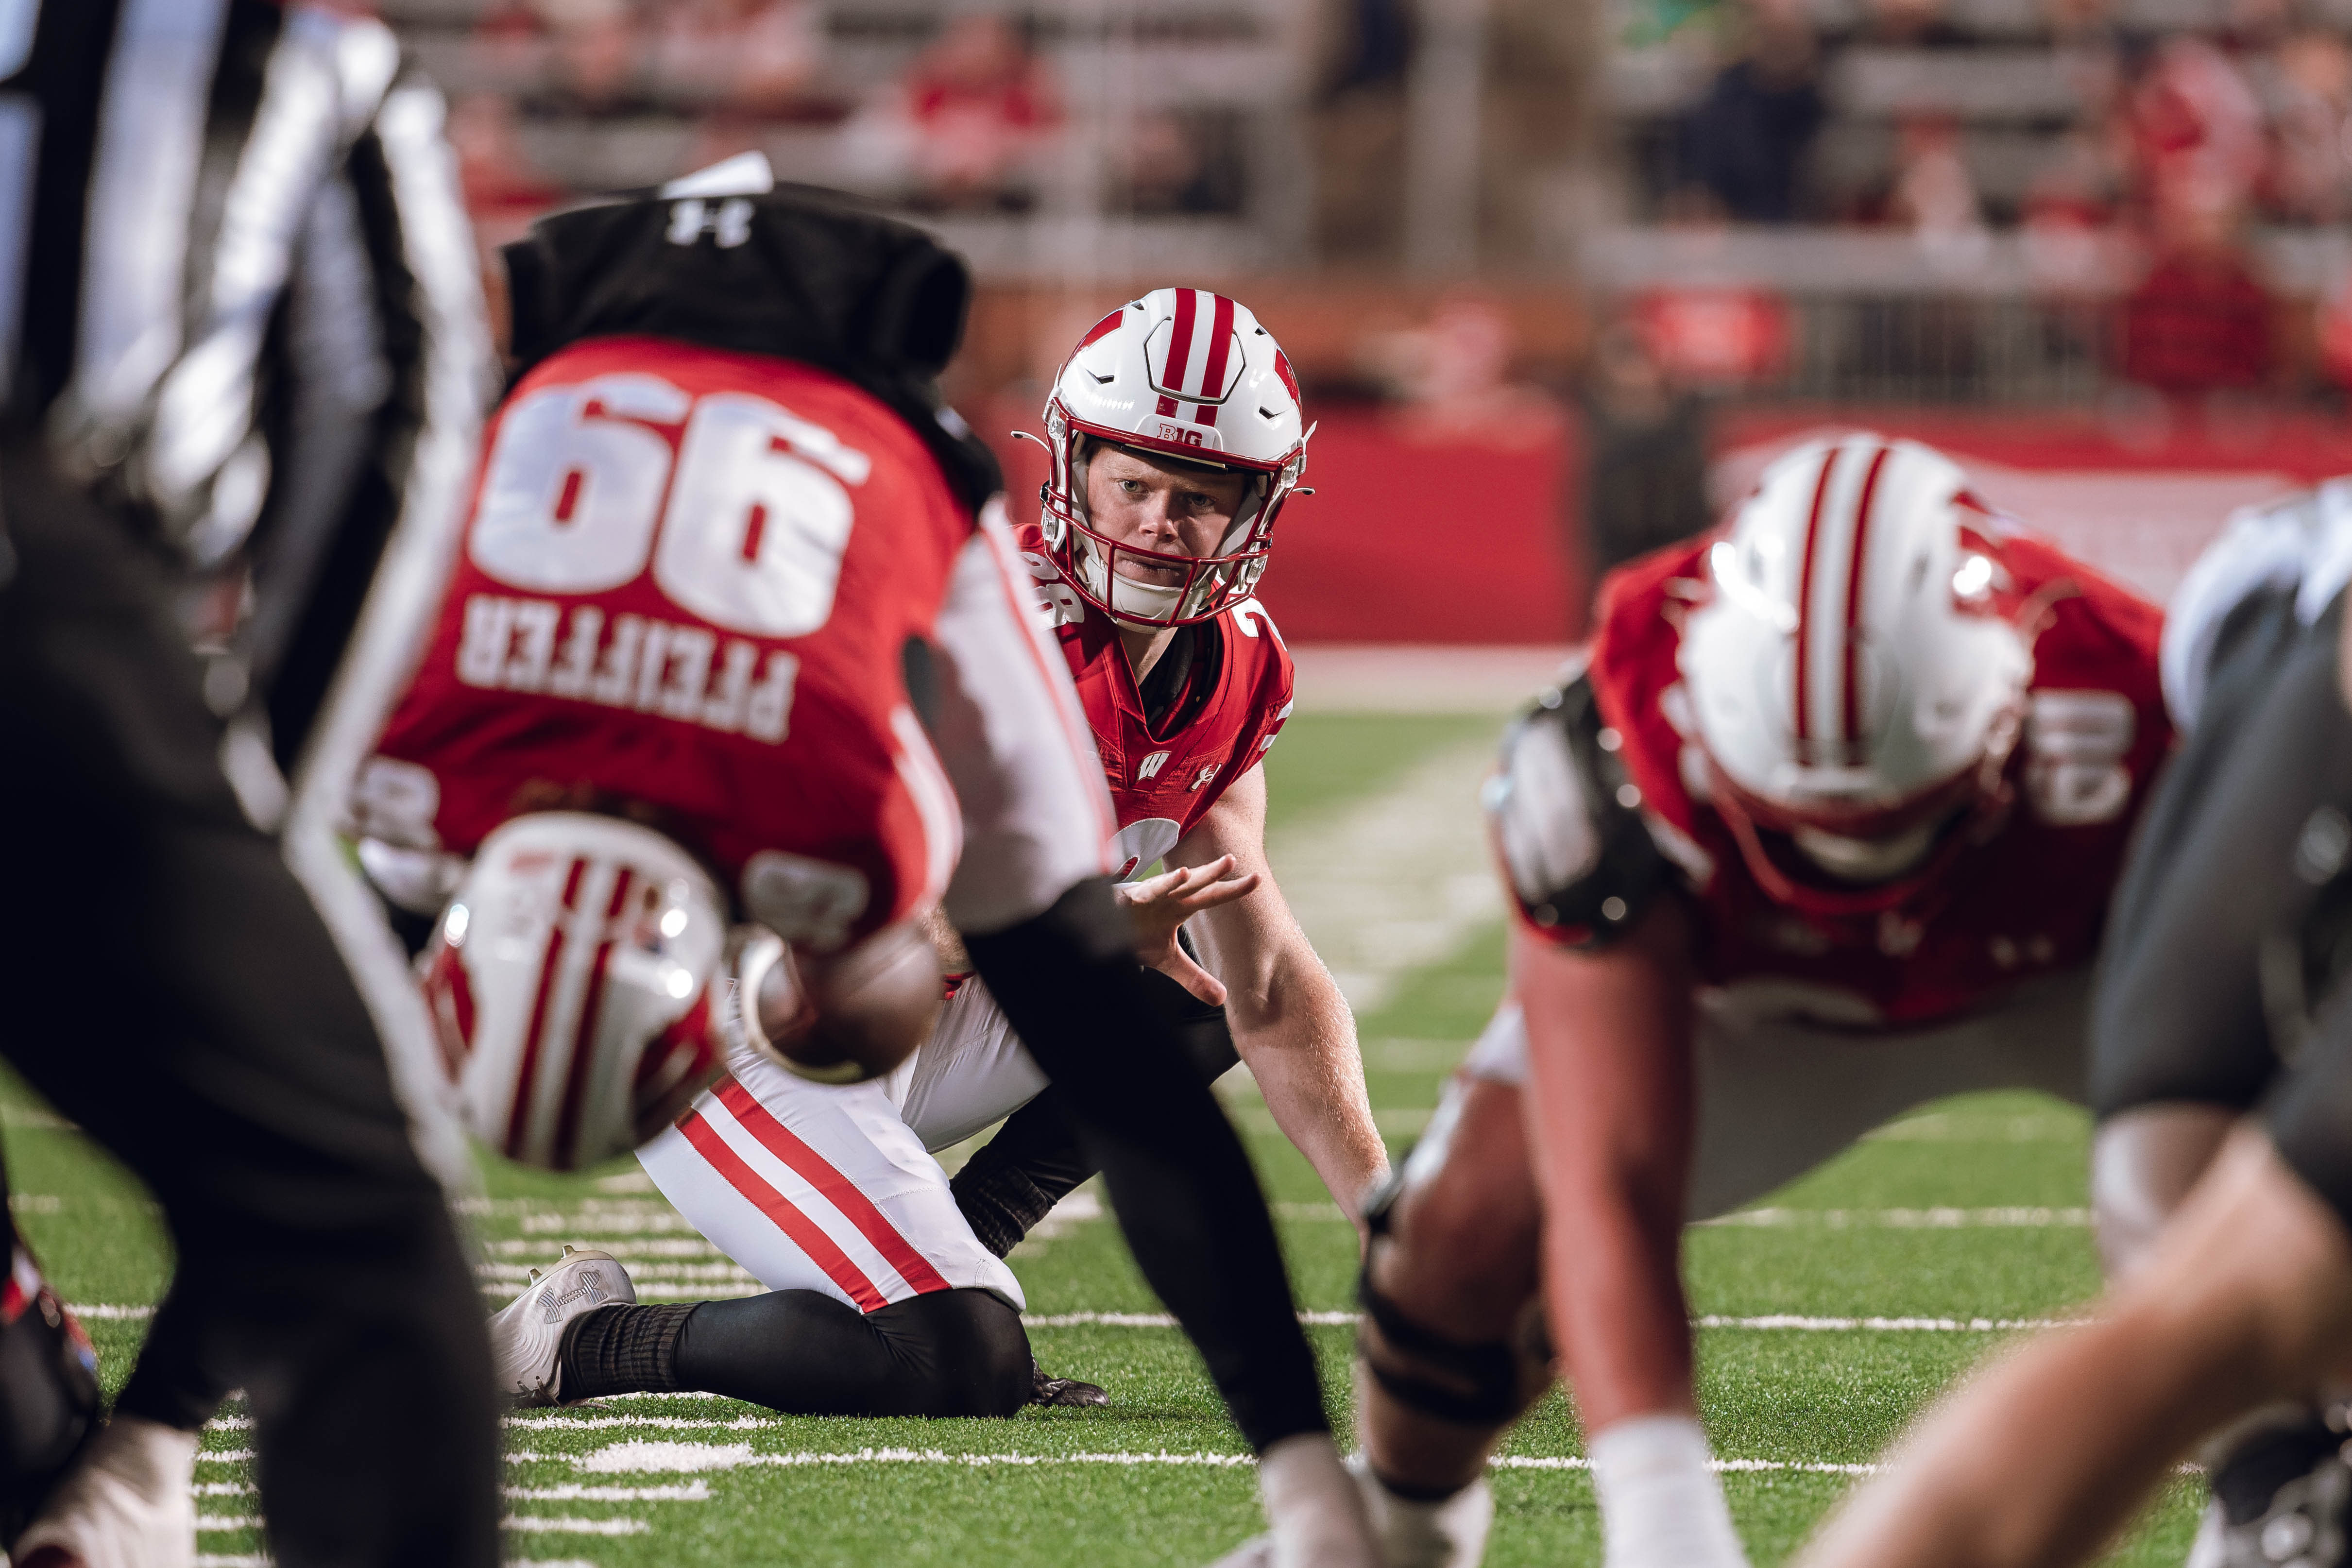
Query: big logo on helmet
[{"x": 1178, "y": 434}]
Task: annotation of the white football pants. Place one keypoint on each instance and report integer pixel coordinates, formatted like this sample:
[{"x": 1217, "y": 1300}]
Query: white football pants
[
  {"x": 1777, "y": 1096},
  {"x": 832, "y": 1188}
]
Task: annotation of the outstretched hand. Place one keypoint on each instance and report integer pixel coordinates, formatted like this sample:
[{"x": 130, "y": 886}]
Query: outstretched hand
[{"x": 1158, "y": 905}]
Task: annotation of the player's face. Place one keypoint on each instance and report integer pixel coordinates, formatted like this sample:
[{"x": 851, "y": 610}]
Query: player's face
[{"x": 1171, "y": 509}]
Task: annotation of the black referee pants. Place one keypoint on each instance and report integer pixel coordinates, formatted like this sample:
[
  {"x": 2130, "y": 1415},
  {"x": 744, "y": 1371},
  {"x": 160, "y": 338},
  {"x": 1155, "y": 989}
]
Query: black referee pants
[{"x": 170, "y": 987}]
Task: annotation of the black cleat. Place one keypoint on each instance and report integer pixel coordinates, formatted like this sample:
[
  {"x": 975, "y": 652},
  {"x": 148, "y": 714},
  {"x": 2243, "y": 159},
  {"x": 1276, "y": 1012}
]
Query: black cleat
[{"x": 1063, "y": 1391}]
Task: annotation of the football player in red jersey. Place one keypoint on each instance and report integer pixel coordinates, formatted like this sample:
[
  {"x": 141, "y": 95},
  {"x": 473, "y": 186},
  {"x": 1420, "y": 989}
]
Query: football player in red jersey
[
  {"x": 1824, "y": 826},
  {"x": 2221, "y": 1073},
  {"x": 736, "y": 634},
  {"x": 1144, "y": 566}
]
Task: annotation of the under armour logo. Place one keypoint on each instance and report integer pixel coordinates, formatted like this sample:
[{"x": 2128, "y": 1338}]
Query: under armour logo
[
  {"x": 692, "y": 218},
  {"x": 1150, "y": 765},
  {"x": 588, "y": 1282}
]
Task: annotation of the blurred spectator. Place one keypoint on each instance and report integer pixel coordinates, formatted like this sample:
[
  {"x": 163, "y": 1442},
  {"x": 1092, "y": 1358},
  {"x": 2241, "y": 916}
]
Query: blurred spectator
[
  {"x": 2201, "y": 321},
  {"x": 2197, "y": 139},
  {"x": 1744, "y": 145},
  {"x": 1934, "y": 196},
  {"x": 577, "y": 56},
  {"x": 2312, "y": 99},
  {"x": 755, "y": 56},
  {"x": 503, "y": 189},
  {"x": 1177, "y": 163},
  {"x": 1645, "y": 453},
  {"x": 967, "y": 125},
  {"x": 1909, "y": 24}
]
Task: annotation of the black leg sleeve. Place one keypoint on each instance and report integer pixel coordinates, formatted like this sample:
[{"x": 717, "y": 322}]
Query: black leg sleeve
[
  {"x": 1039, "y": 1156},
  {"x": 173, "y": 991},
  {"x": 1178, "y": 1176},
  {"x": 950, "y": 1353}
]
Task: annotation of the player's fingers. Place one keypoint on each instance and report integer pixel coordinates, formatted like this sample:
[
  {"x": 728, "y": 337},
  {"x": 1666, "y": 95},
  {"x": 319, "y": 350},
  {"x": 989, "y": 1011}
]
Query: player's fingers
[
  {"x": 1224, "y": 892},
  {"x": 1151, "y": 890},
  {"x": 1179, "y": 966}
]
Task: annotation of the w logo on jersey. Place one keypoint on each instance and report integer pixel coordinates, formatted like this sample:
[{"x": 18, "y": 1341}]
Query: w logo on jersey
[
  {"x": 1195, "y": 355},
  {"x": 1151, "y": 766}
]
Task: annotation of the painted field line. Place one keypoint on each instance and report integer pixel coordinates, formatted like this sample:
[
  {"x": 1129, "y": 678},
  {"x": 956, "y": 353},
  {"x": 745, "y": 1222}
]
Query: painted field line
[
  {"x": 1776, "y": 1320},
  {"x": 568, "y": 1524},
  {"x": 225, "y": 1456},
  {"x": 219, "y": 1521},
  {"x": 103, "y": 1312},
  {"x": 658, "y": 1422},
  {"x": 690, "y": 1491},
  {"x": 235, "y": 1560},
  {"x": 1905, "y": 1219},
  {"x": 1788, "y": 1320},
  {"x": 671, "y": 1457}
]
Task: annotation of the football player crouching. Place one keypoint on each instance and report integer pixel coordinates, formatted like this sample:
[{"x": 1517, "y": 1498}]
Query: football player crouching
[
  {"x": 735, "y": 633},
  {"x": 2221, "y": 1073},
  {"x": 1145, "y": 562},
  {"x": 1824, "y": 827}
]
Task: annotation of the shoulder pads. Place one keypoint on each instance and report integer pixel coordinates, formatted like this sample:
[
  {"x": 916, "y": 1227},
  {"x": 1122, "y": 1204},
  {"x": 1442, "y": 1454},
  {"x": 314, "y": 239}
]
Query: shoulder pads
[
  {"x": 794, "y": 273},
  {"x": 1581, "y": 865}
]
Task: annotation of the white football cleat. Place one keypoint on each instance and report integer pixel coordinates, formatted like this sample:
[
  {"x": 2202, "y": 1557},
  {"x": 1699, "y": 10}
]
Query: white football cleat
[
  {"x": 124, "y": 1504},
  {"x": 527, "y": 1334}
]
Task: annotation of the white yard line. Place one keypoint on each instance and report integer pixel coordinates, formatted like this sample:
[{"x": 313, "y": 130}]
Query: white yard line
[
  {"x": 1397, "y": 881},
  {"x": 1903, "y": 1219},
  {"x": 1769, "y": 1322},
  {"x": 674, "y": 1458},
  {"x": 566, "y": 1524}
]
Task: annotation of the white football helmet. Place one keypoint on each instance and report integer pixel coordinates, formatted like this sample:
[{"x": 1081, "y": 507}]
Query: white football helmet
[
  {"x": 577, "y": 982},
  {"x": 1181, "y": 373},
  {"x": 1856, "y": 674}
]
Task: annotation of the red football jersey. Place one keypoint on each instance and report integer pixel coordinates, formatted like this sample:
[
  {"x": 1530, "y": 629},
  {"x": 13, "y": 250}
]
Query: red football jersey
[
  {"x": 687, "y": 583},
  {"x": 1163, "y": 782},
  {"x": 2028, "y": 900}
]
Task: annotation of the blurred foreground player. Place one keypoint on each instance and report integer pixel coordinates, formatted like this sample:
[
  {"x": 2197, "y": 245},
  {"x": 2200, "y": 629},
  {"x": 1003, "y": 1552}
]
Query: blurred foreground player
[
  {"x": 733, "y": 590},
  {"x": 1146, "y": 569},
  {"x": 1823, "y": 828},
  {"x": 185, "y": 181},
  {"x": 2222, "y": 1066}
]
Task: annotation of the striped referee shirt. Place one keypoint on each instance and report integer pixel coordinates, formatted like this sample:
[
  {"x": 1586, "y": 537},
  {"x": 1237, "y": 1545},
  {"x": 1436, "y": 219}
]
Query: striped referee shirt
[{"x": 239, "y": 299}]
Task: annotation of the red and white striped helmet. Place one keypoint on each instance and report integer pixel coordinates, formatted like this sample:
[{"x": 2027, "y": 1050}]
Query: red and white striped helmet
[
  {"x": 1183, "y": 374},
  {"x": 1856, "y": 680},
  {"x": 576, "y": 980}
]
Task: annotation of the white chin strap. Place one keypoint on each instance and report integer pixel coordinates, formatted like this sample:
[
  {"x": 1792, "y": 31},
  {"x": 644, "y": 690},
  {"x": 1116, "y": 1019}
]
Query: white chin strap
[
  {"x": 1865, "y": 860},
  {"x": 1149, "y": 604}
]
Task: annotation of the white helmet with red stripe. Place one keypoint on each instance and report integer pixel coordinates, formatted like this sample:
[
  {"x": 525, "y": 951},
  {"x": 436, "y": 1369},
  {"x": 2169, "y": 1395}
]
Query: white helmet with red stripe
[
  {"x": 576, "y": 980},
  {"x": 1186, "y": 374},
  {"x": 1856, "y": 676}
]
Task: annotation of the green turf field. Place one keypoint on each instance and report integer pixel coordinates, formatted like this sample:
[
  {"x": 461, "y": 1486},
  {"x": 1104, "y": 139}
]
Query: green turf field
[{"x": 1967, "y": 1210}]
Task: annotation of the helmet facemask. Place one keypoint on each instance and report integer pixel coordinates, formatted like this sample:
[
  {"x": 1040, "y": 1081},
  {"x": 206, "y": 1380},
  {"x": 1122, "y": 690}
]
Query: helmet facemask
[{"x": 1208, "y": 584}]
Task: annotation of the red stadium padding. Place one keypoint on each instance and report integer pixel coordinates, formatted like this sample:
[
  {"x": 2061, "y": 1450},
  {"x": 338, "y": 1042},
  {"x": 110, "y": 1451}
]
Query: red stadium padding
[{"x": 1435, "y": 539}]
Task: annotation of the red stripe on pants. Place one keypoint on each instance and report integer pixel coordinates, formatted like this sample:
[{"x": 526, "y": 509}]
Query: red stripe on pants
[
  {"x": 804, "y": 1232},
  {"x": 838, "y": 1189}
]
